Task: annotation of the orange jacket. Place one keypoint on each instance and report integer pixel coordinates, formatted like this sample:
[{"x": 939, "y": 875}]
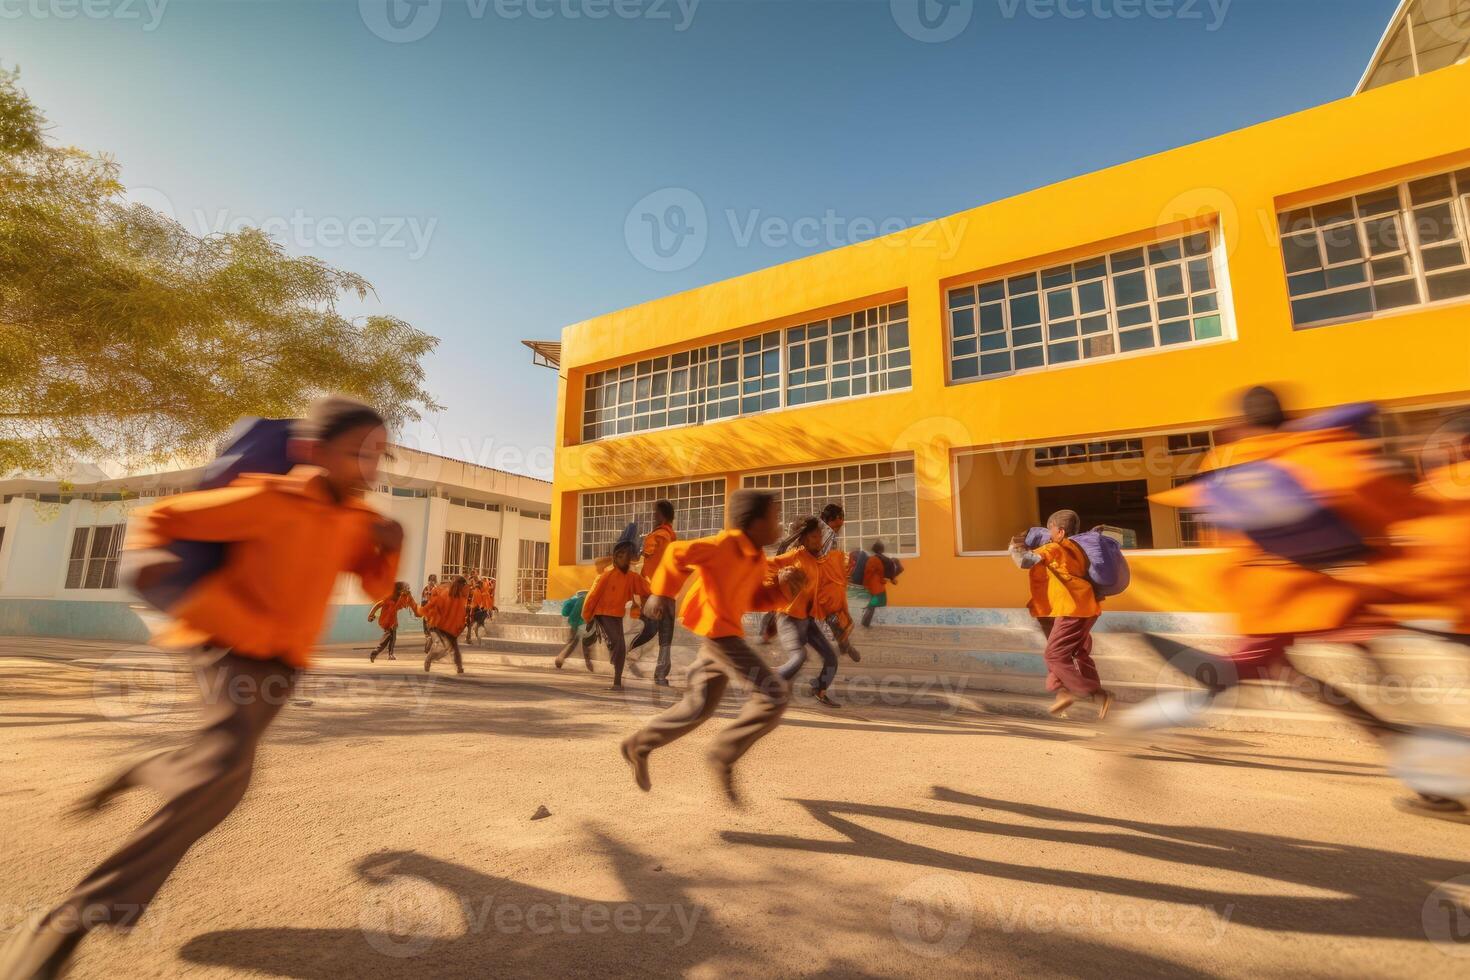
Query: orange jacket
[
  {"x": 806, "y": 604},
  {"x": 731, "y": 578},
  {"x": 832, "y": 589},
  {"x": 388, "y": 610},
  {"x": 289, "y": 540},
  {"x": 1059, "y": 583},
  {"x": 874, "y": 579},
  {"x": 446, "y": 612},
  {"x": 611, "y": 593},
  {"x": 655, "y": 545},
  {"x": 1271, "y": 594}
]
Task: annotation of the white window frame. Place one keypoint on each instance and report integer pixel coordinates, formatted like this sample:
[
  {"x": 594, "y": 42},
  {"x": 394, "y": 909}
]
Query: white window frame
[
  {"x": 863, "y": 538},
  {"x": 105, "y": 564},
  {"x": 533, "y": 567},
  {"x": 656, "y": 492}
]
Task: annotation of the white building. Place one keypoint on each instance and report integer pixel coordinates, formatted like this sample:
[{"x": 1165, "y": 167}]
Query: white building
[{"x": 59, "y": 542}]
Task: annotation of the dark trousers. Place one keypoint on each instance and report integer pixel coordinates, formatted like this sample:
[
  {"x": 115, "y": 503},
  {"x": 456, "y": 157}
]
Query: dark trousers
[
  {"x": 448, "y": 643},
  {"x": 868, "y": 615},
  {"x": 1069, "y": 655},
  {"x": 795, "y": 636},
  {"x": 611, "y": 628},
  {"x": 388, "y": 642},
  {"x": 586, "y": 636},
  {"x": 200, "y": 782},
  {"x": 663, "y": 628},
  {"x": 719, "y": 662}
]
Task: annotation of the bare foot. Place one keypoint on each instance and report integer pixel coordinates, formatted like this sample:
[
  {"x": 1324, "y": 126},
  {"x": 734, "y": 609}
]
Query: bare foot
[
  {"x": 1062, "y": 703},
  {"x": 638, "y": 762}
]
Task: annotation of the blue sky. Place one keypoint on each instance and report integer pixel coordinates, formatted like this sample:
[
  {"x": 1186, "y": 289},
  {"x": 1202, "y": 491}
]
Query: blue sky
[{"x": 482, "y": 176}]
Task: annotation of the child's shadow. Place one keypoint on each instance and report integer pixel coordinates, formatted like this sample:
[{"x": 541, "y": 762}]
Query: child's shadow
[{"x": 433, "y": 918}]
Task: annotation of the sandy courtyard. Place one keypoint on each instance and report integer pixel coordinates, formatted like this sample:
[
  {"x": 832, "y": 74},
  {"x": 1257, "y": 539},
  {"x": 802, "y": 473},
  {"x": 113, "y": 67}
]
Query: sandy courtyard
[{"x": 388, "y": 833}]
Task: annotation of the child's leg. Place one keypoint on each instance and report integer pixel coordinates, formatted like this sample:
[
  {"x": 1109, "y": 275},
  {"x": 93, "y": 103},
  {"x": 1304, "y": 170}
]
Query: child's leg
[
  {"x": 1085, "y": 665},
  {"x": 818, "y": 642},
  {"x": 612, "y": 631},
  {"x": 572, "y": 641},
  {"x": 792, "y": 635},
  {"x": 392, "y": 643},
  {"x": 382, "y": 643},
  {"x": 1066, "y": 638},
  {"x": 768, "y": 699},
  {"x": 649, "y": 631},
  {"x": 454, "y": 646},
  {"x": 665, "y": 650},
  {"x": 201, "y": 783},
  {"x": 706, "y": 685}
]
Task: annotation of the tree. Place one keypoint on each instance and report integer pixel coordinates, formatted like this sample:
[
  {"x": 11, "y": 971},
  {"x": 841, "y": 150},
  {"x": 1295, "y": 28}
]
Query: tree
[{"x": 125, "y": 336}]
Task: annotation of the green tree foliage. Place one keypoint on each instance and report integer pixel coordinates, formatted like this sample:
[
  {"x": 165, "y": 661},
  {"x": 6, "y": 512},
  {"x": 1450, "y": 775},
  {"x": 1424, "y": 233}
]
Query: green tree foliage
[{"x": 123, "y": 335}]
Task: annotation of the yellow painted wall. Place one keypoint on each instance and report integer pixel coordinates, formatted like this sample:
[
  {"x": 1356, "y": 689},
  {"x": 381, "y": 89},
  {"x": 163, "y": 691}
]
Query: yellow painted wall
[{"x": 1240, "y": 180}]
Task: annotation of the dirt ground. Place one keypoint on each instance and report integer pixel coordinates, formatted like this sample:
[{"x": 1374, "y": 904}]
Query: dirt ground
[{"x": 388, "y": 833}]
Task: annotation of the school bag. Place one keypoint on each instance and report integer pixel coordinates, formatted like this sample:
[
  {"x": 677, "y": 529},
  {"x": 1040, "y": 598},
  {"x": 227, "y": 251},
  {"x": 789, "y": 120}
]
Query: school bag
[
  {"x": 1107, "y": 568},
  {"x": 892, "y": 568},
  {"x": 254, "y": 445},
  {"x": 1265, "y": 502}
]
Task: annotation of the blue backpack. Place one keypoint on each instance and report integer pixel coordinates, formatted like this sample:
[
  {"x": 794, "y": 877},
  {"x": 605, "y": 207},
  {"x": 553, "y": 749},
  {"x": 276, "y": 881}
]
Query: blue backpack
[
  {"x": 1107, "y": 568},
  {"x": 255, "y": 446},
  {"x": 1267, "y": 504}
]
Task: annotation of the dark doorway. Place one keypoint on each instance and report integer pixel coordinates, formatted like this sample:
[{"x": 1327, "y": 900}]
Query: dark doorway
[{"x": 1121, "y": 504}]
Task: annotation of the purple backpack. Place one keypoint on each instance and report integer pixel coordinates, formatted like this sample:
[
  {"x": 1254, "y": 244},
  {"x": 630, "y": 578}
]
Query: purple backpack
[
  {"x": 1107, "y": 569},
  {"x": 1267, "y": 504},
  {"x": 255, "y": 446}
]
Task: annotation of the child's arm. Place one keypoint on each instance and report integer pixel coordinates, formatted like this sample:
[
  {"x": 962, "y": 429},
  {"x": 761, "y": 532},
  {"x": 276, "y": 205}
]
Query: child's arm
[
  {"x": 595, "y": 594},
  {"x": 1024, "y": 557},
  {"x": 226, "y": 514},
  {"x": 377, "y": 562},
  {"x": 680, "y": 560}
]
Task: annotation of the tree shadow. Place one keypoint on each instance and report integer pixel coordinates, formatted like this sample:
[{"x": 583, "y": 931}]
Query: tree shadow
[{"x": 1375, "y": 893}]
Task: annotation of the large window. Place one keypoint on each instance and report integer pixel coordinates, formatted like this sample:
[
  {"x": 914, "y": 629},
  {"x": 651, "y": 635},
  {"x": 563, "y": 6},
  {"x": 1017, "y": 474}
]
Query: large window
[
  {"x": 699, "y": 509},
  {"x": 93, "y": 560},
  {"x": 854, "y": 354},
  {"x": 1136, "y": 299},
  {"x": 878, "y": 497},
  {"x": 469, "y": 554},
  {"x": 531, "y": 571},
  {"x": 861, "y": 353},
  {"x": 1389, "y": 249}
]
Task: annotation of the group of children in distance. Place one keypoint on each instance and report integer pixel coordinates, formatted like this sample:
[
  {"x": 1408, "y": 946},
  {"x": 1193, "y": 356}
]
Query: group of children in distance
[{"x": 461, "y": 605}]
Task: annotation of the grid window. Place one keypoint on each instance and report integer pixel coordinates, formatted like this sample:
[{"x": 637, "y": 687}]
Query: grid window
[
  {"x": 1088, "y": 452},
  {"x": 699, "y": 507},
  {"x": 879, "y": 499},
  {"x": 1189, "y": 443},
  {"x": 1161, "y": 295},
  {"x": 450, "y": 566},
  {"x": 860, "y": 353},
  {"x": 1388, "y": 249},
  {"x": 531, "y": 571},
  {"x": 1192, "y": 525},
  {"x": 92, "y": 563}
]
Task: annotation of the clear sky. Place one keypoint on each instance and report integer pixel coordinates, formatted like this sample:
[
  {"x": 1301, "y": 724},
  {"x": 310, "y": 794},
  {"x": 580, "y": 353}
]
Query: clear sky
[{"x": 483, "y": 175}]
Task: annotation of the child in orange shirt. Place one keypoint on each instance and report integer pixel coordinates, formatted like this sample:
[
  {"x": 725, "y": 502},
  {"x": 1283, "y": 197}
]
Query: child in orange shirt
[
  {"x": 607, "y": 601},
  {"x": 653, "y": 552},
  {"x": 875, "y": 580},
  {"x": 1066, "y": 606},
  {"x": 732, "y": 577},
  {"x": 444, "y": 618},
  {"x": 250, "y": 626},
  {"x": 385, "y": 611},
  {"x": 797, "y": 624}
]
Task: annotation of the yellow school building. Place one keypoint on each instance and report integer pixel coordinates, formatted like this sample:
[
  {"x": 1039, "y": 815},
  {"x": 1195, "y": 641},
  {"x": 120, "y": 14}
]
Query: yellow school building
[{"x": 1074, "y": 346}]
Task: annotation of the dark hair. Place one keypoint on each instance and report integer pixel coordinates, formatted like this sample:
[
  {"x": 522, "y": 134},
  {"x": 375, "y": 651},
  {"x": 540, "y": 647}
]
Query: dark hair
[
  {"x": 664, "y": 509},
  {"x": 399, "y": 588},
  {"x": 1262, "y": 408},
  {"x": 831, "y": 512},
  {"x": 878, "y": 548},
  {"x": 330, "y": 417},
  {"x": 748, "y": 506},
  {"x": 457, "y": 587},
  {"x": 799, "y": 530},
  {"x": 622, "y": 546},
  {"x": 1067, "y": 520}
]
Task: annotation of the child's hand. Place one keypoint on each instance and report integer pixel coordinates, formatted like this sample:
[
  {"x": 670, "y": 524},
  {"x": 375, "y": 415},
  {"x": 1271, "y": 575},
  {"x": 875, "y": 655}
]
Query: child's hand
[
  {"x": 656, "y": 607},
  {"x": 791, "y": 580},
  {"x": 1018, "y": 541},
  {"x": 387, "y": 535}
]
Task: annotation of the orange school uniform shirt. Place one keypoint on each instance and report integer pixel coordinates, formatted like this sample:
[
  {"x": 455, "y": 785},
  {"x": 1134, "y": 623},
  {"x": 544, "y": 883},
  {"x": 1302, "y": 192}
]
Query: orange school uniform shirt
[
  {"x": 655, "y": 545},
  {"x": 806, "y": 604},
  {"x": 611, "y": 593},
  {"x": 1272, "y": 595},
  {"x": 1059, "y": 583},
  {"x": 445, "y": 612},
  {"x": 832, "y": 588},
  {"x": 388, "y": 613},
  {"x": 289, "y": 540},
  {"x": 873, "y": 576},
  {"x": 731, "y": 578}
]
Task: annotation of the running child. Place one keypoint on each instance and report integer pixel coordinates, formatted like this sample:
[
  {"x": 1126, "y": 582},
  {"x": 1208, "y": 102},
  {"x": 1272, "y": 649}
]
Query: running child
[
  {"x": 875, "y": 580},
  {"x": 797, "y": 624},
  {"x": 607, "y": 602},
  {"x": 654, "y": 547},
  {"x": 250, "y": 626},
  {"x": 1066, "y": 606},
  {"x": 732, "y": 577},
  {"x": 443, "y": 620},
  {"x": 385, "y": 611}
]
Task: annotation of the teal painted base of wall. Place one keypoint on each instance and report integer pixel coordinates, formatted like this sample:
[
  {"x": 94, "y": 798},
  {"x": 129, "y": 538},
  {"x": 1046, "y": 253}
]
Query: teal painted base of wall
[{"x": 121, "y": 621}]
